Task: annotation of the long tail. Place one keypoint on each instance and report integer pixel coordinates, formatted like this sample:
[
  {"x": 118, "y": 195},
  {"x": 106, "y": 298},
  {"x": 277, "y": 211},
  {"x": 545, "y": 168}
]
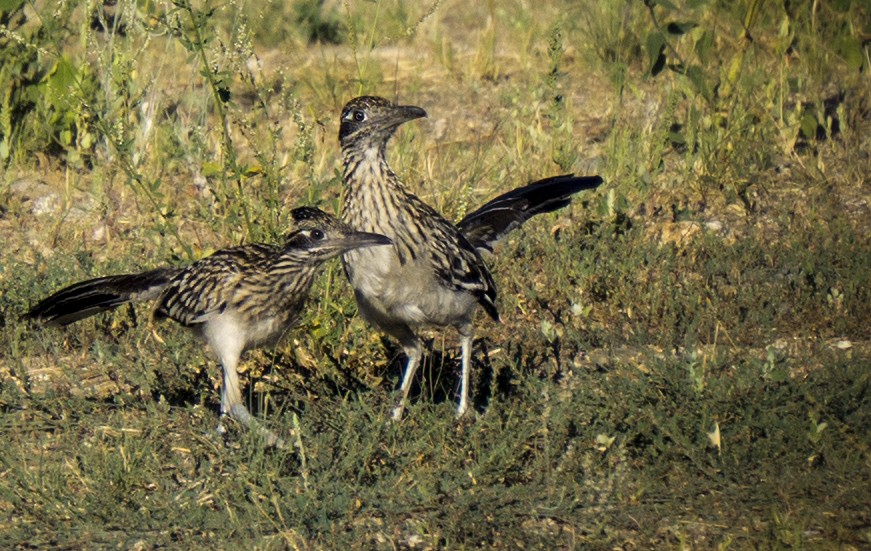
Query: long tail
[
  {"x": 487, "y": 225},
  {"x": 86, "y": 298}
]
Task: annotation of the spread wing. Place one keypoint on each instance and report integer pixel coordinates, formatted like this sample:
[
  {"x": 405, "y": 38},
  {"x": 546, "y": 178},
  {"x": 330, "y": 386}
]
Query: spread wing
[{"x": 490, "y": 223}]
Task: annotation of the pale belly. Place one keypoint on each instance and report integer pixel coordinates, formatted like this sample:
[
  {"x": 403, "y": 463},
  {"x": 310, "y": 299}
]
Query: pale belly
[{"x": 390, "y": 294}]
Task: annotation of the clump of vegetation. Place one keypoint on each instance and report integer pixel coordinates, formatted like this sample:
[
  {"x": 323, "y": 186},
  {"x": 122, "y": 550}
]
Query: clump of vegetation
[
  {"x": 44, "y": 90},
  {"x": 684, "y": 355}
]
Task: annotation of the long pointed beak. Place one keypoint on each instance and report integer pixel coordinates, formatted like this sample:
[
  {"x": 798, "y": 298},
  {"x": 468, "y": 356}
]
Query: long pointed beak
[
  {"x": 411, "y": 112},
  {"x": 402, "y": 114},
  {"x": 358, "y": 240}
]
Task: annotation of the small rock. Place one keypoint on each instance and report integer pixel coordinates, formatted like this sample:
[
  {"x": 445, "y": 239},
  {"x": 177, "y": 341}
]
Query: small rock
[{"x": 843, "y": 344}]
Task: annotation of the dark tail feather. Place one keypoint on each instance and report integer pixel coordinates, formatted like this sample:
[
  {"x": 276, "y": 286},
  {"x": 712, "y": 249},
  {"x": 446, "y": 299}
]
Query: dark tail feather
[
  {"x": 86, "y": 298},
  {"x": 487, "y": 225}
]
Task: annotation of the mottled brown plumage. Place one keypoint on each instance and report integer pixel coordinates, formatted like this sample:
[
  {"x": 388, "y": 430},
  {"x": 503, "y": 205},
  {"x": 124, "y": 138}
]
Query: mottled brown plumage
[
  {"x": 434, "y": 273},
  {"x": 236, "y": 299}
]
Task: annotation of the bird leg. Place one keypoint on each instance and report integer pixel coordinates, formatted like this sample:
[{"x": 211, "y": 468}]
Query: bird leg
[
  {"x": 413, "y": 350},
  {"x": 466, "y": 344},
  {"x": 231, "y": 404}
]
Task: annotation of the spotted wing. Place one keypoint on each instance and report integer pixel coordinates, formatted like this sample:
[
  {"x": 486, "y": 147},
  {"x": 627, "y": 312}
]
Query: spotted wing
[{"x": 208, "y": 287}]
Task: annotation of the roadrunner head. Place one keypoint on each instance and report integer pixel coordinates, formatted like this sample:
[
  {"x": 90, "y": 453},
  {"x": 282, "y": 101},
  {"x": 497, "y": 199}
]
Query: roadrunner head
[
  {"x": 321, "y": 236},
  {"x": 370, "y": 121}
]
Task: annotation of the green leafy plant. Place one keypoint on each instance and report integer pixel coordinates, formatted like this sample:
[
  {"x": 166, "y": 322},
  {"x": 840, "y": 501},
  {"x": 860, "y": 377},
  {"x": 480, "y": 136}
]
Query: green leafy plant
[
  {"x": 43, "y": 90},
  {"x": 19, "y": 76}
]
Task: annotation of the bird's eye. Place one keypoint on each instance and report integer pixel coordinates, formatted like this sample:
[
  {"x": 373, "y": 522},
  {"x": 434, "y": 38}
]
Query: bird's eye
[
  {"x": 356, "y": 115},
  {"x": 317, "y": 235}
]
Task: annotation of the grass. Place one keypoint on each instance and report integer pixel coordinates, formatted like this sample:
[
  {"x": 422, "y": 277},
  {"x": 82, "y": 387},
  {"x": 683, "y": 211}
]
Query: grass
[{"x": 684, "y": 356}]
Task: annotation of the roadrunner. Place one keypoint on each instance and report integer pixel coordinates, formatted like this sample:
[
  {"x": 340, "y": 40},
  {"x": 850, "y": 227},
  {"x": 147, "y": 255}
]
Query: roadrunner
[
  {"x": 433, "y": 274},
  {"x": 236, "y": 299}
]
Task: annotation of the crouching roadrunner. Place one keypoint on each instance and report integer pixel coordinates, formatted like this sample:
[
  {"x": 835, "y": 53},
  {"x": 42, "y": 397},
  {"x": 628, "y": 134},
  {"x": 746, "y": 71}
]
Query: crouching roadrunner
[
  {"x": 236, "y": 299},
  {"x": 433, "y": 274}
]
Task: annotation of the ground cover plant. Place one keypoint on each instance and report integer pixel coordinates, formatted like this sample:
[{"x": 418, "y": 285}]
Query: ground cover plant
[{"x": 684, "y": 359}]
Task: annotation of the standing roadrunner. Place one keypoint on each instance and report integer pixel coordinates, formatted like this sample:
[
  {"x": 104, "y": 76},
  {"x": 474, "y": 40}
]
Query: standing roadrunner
[
  {"x": 236, "y": 299},
  {"x": 433, "y": 274}
]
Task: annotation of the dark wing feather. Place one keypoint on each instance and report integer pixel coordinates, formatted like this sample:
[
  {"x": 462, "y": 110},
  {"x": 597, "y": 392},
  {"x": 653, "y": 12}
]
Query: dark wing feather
[{"x": 488, "y": 224}]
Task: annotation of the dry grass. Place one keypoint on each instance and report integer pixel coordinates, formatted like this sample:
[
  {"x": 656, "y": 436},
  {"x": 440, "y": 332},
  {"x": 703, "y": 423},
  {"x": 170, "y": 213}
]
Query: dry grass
[{"x": 684, "y": 357}]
